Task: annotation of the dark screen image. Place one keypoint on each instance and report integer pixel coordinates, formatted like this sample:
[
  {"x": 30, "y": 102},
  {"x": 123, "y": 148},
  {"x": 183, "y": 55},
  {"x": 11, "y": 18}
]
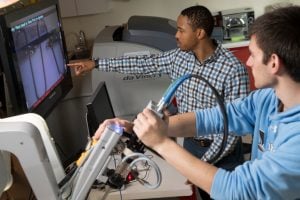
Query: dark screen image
[
  {"x": 99, "y": 108},
  {"x": 39, "y": 54}
]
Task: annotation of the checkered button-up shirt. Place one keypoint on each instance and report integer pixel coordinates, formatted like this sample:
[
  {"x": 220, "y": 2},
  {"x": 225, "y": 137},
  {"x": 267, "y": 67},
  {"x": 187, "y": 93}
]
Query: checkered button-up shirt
[{"x": 222, "y": 70}]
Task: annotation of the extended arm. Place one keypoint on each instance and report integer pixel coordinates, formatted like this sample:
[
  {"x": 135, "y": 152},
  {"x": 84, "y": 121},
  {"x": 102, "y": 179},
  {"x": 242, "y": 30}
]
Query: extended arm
[
  {"x": 182, "y": 125},
  {"x": 145, "y": 64},
  {"x": 151, "y": 130}
]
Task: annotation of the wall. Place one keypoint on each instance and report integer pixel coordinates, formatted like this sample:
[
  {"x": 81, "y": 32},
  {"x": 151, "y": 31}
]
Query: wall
[{"x": 121, "y": 10}]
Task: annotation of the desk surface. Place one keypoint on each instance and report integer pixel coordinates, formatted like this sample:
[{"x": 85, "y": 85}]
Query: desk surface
[{"x": 173, "y": 185}]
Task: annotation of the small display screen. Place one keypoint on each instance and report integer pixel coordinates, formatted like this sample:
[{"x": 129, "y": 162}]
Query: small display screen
[
  {"x": 99, "y": 108},
  {"x": 38, "y": 54}
]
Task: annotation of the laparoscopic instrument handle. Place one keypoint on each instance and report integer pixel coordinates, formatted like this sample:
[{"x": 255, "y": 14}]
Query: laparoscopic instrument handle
[{"x": 96, "y": 160}]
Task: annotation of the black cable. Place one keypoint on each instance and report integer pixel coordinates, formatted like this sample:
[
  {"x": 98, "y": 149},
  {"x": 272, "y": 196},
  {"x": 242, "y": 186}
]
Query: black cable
[
  {"x": 134, "y": 141},
  {"x": 220, "y": 102},
  {"x": 41, "y": 54},
  {"x": 68, "y": 176},
  {"x": 115, "y": 163},
  {"x": 28, "y": 51}
]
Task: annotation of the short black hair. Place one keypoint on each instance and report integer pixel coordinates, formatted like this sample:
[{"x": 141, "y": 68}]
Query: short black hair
[
  {"x": 278, "y": 32},
  {"x": 200, "y": 17}
]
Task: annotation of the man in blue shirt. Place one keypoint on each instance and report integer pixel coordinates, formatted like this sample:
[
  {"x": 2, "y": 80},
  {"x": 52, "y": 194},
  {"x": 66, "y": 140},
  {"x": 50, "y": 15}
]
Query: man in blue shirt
[{"x": 271, "y": 115}]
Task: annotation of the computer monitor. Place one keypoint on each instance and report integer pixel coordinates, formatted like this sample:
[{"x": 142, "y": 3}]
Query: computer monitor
[
  {"x": 99, "y": 108},
  {"x": 33, "y": 57}
]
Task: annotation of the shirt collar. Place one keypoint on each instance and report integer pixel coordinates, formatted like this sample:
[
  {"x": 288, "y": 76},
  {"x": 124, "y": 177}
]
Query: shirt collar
[{"x": 216, "y": 53}]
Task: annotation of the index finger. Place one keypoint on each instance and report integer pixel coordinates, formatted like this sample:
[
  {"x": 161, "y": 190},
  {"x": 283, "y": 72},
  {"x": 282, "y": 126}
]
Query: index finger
[{"x": 74, "y": 64}]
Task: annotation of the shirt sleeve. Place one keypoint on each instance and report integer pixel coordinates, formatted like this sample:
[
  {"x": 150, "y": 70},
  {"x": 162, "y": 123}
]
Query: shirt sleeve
[
  {"x": 275, "y": 176},
  {"x": 240, "y": 113}
]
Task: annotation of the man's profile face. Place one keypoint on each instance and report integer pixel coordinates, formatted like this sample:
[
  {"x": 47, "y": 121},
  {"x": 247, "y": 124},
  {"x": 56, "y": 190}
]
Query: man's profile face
[
  {"x": 185, "y": 36},
  {"x": 262, "y": 76}
]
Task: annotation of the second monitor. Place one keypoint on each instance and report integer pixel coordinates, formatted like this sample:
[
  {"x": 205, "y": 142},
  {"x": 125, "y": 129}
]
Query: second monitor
[{"x": 99, "y": 108}]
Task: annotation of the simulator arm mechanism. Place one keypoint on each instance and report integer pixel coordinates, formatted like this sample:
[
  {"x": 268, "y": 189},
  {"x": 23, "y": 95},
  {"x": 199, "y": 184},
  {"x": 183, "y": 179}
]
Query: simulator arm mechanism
[
  {"x": 95, "y": 162},
  {"x": 23, "y": 138},
  {"x": 97, "y": 157},
  {"x": 30, "y": 141}
]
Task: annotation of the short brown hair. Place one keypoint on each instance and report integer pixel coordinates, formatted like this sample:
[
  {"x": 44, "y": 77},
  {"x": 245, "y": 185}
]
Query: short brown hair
[{"x": 278, "y": 32}]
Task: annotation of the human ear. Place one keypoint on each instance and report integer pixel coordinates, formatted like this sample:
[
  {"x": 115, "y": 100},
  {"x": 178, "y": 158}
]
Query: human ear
[
  {"x": 276, "y": 63},
  {"x": 200, "y": 33}
]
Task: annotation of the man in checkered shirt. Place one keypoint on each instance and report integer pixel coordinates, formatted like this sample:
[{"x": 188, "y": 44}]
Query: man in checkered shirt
[{"x": 197, "y": 54}]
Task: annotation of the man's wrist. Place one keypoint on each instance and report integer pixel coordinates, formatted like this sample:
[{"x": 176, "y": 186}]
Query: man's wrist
[
  {"x": 96, "y": 63},
  {"x": 163, "y": 146}
]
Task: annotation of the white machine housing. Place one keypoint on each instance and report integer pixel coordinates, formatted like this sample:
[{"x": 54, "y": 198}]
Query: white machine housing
[
  {"x": 27, "y": 136},
  {"x": 129, "y": 93}
]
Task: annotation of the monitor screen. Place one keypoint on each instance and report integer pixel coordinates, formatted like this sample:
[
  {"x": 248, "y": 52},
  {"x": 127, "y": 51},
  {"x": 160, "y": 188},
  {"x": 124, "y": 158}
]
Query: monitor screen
[
  {"x": 34, "y": 60},
  {"x": 99, "y": 108}
]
